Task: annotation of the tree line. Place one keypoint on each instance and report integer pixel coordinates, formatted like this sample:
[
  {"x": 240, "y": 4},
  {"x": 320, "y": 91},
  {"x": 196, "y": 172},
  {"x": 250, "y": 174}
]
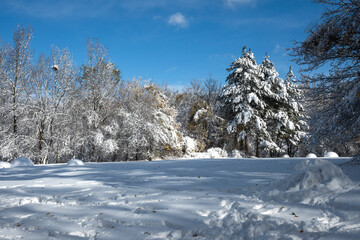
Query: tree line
[{"x": 52, "y": 110}]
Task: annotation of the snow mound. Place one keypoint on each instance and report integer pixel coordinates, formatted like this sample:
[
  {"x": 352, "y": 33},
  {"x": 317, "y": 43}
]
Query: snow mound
[
  {"x": 317, "y": 173},
  {"x": 285, "y": 156},
  {"x": 217, "y": 153},
  {"x": 331, "y": 155},
  {"x": 75, "y": 162},
  {"x": 311, "y": 155},
  {"x": 5, "y": 165},
  {"x": 311, "y": 179},
  {"x": 234, "y": 221},
  {"x": 22, "y": 162}
]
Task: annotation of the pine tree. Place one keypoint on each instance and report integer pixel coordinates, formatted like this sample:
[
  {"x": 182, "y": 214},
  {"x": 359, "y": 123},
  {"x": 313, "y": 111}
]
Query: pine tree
[
  {"x": 284, "y": 114},
  {"x": 295, "y": 132},
  {"x": 244, "y": 95}
]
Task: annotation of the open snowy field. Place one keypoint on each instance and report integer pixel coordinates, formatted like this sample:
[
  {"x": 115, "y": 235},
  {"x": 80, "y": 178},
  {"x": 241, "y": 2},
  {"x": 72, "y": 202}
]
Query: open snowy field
[{"x": 182, "y": 199}]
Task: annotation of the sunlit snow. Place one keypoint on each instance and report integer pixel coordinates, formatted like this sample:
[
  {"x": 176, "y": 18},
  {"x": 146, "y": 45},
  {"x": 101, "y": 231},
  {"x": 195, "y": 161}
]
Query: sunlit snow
[{"x": 182, "y": 199}]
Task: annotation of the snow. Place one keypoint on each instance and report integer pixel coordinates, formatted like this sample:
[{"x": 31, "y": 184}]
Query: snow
[
  {"x": 199, "y": 114},
  {"x": 312, "y": 177},
  {"x": 278, "y": 198},
  {"x": 75, "y": 162},
  {"x": 210, "y": 153},
  {"x": 5, "y": 165},
  {"x": 217, "y": 153},
  {"x": 236, "y": 154},
  {"x": 285, "y": 156},
  {"x": 331, "y": 155},
  {"x": 190, "y": 145},
  {"x": 311, "y": 155},
  {"x": 55, "y": 67},
  {"x": 22, "y": 162}
]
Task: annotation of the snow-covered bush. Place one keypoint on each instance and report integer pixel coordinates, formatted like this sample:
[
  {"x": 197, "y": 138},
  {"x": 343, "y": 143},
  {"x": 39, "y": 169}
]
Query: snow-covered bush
[
  {"x": 311, "y": 155},
  {"x": 75, "y": 162},
  {"x": 217, "y": 153},
  {"x": 285, "y": 156},
  {"x": 22, "y": 162},
  {"x": 331, "y": 155},
  {"x": 190, "y": 145},
  {"x": 5, "y": 165},
  {"x": 236, "y": 154}
]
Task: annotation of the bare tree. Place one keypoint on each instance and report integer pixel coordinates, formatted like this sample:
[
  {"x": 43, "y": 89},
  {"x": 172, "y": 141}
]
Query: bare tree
[
  {"x": 333, "y": 43},
  {"x": 212, "y": 90},
  {"x": 15, "y": 73},
  {"x": 99, "y": 84},
  {"x": 52, "y": 84}
]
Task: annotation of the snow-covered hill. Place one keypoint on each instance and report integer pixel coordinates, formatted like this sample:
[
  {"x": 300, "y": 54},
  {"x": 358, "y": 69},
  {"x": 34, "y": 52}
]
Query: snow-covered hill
[{"x": 182, "y": 199}]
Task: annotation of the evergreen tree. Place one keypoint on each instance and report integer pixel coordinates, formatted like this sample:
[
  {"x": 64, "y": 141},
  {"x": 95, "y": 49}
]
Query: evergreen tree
[
  {"x": 244, "y": 95},
  {"x": 295, "y": 127},
  {"x": 284, "y": 114}
]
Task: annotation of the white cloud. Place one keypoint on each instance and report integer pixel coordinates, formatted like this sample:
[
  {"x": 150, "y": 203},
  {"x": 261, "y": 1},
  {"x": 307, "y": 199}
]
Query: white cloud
[
  {"x": 277, "y": 48},
  {"x": 178, "y": 20},
  {"x": 232, "y": 3}
]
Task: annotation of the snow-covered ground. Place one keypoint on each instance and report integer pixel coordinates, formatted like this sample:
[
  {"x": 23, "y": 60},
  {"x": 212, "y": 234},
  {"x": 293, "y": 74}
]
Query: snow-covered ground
[{"x": 182, "y": 199}]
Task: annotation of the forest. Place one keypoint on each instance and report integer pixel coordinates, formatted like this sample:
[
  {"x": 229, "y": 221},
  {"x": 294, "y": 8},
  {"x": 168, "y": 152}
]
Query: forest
[{"x": 52, "y": 110}]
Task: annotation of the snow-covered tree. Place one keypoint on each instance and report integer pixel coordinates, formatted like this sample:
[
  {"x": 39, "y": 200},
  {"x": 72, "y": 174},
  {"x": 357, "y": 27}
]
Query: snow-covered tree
[
  {"x": 244, "y": 94},
  {"x": 296, "y": 127},
  {"x": 199, "y": 113},
  {"x": 51, "y": 86},
  {"x": 263, "y": 110},
  {"x": 147, "y": 123},
  {"x": 333, "y": 43},
  {"x": 285, "y": 114},
  {"x": 97, "y": 91},
  {"x": 15, "y": 73}
]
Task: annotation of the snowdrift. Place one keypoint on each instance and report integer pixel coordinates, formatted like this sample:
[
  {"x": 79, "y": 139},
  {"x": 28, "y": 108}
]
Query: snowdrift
[
  {"x": 235, "y": 221},
  {"x": 22, "y": 162},
  {"x": 5, "y": 165},
  {"x": 331, "y": 155},
  {"x": 311, "y": 155},
  {"x": 75, "y": 162},
  {"x": 311, "y": 179}
]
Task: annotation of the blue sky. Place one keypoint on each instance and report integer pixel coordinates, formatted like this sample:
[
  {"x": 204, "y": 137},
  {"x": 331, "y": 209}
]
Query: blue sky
[{"x": 172, "y": 41}]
